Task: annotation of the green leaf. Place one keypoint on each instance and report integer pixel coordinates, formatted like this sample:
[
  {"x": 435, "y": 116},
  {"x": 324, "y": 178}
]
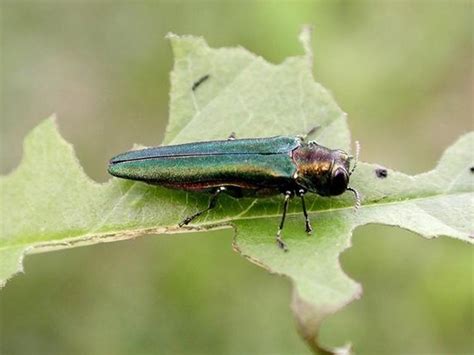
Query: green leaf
[{"x": 48, "y": 202}]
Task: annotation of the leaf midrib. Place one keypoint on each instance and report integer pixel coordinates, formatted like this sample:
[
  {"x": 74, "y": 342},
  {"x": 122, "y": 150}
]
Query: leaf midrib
[{"x": 133, "y": 233}]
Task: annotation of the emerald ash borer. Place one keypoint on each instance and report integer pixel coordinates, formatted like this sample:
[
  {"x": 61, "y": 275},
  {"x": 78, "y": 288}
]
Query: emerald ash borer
[{"x": 256, "y": 167}]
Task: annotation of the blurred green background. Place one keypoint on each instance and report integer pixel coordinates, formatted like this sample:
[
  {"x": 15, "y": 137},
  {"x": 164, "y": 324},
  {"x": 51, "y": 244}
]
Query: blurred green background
[{"x": 401, "y": 70}]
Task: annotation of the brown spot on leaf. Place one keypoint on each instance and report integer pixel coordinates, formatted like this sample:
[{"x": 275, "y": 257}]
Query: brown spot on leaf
[
  {"x": 198, "y": 82},
  {"x": 381, "y": 173}
]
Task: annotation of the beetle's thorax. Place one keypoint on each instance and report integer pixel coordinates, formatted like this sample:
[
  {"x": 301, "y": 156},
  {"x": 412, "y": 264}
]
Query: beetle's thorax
[{"x": 315, "y": 165}]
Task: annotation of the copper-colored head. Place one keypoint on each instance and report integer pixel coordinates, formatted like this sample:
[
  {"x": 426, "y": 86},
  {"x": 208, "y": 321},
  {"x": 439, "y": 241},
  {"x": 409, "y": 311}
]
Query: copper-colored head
[{"x": 322, "y": 170}]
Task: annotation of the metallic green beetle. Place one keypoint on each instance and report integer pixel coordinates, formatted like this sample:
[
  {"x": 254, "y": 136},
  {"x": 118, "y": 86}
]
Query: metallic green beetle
[{"x": 255, "y": 167}]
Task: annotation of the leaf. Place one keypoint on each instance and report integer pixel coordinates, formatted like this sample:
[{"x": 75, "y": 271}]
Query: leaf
[{"x": 50, "y": 203}]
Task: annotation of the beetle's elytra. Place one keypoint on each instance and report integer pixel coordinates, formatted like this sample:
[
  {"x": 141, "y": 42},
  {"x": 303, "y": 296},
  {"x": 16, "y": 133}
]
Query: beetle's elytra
[{"x": 242, "y": 167}]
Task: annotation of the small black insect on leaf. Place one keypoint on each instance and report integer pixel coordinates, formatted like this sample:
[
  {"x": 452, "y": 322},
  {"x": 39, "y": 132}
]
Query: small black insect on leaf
[
  {"x": 472, "y": 169},
  {"x": 381, "y": 173},
  {"x": 198, "y": 82}
]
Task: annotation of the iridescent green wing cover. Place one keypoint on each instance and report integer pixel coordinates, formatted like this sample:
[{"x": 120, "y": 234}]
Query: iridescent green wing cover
[
  {"x": 272, "y": 145},
  {"x": 248, "y": 163}
]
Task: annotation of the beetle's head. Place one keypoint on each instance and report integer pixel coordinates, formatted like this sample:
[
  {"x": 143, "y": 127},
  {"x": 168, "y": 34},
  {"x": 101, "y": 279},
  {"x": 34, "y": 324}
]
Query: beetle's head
[
  {"x": 321, "y": 170},
  {"x": 339, "y": 173}
]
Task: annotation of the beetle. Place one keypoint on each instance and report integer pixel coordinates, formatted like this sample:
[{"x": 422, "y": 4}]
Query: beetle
[{"x": 257, "y": 167}]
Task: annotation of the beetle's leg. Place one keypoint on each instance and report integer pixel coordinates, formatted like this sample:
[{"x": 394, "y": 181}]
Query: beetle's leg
[
  {"x": 231, "y": 136},
  {"x": 313, "y": 130},
  {"x": 212, "y": 204},
  {"x": 280, "y": 241},
  {"x": 309, "y": 229}
]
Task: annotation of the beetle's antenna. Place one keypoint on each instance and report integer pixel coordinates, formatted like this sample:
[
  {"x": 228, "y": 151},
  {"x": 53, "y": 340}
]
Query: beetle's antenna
[
  {"x": 356, "y": 157},
  {"x": 357, "y": 197}
]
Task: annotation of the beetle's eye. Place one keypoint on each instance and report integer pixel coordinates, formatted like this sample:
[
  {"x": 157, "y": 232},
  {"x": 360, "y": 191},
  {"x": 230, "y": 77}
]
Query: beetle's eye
[{"x": 339, "y": 181}]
